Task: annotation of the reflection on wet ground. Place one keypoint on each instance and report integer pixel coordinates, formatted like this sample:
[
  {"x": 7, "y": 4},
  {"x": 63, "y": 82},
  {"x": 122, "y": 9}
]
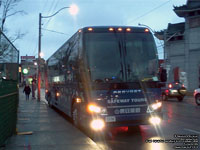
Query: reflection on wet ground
[{"x": 137, "y": 139}]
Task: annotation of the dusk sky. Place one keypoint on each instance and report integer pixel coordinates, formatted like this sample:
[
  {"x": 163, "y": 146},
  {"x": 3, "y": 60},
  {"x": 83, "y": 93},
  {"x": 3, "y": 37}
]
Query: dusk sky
[{"x": 154, "y": 13}]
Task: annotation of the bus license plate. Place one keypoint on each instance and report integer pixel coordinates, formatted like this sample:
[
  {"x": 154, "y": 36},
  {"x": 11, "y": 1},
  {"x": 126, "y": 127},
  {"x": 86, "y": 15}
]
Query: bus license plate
[{"x": 110, "y": 119}]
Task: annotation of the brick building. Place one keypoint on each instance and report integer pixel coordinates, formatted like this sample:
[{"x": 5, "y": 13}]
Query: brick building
[{"x": 30, "y": 63}]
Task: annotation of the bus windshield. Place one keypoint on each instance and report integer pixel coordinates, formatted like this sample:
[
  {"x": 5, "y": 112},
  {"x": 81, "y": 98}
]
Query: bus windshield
[
  {"x": 141, "y": 59},
  {"x": 120, "y": 57},
  {"x": 104, "y": 56}
]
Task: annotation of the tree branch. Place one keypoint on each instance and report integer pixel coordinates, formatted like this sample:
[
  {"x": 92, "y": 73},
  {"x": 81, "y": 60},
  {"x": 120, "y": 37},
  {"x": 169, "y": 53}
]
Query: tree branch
[{"x": 15, "y": 13}]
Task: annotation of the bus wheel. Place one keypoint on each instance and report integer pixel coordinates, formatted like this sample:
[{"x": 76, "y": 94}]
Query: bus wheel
[{"x": 75, "y": 117}]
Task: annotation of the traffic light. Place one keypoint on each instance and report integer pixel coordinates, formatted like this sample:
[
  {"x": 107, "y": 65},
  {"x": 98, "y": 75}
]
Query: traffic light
[{"x": 25, "y": 71}]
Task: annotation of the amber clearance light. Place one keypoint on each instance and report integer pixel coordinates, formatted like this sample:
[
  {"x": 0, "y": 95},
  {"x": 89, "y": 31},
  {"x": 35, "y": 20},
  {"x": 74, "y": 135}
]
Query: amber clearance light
[
  {"x": 111, "y": 29},
  {"x": 57, "y": 94},
  {"x": 119, "y": 29},
  {"x": 78, "y": 100},
  {"x": 128, "y": 29},
  {"x": 146, "y": 30},
  {"x": 90, "y": 29}
]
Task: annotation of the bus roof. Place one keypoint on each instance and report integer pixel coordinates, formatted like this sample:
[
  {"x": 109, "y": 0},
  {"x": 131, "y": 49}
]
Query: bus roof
[{"x": 114, "y": 29}]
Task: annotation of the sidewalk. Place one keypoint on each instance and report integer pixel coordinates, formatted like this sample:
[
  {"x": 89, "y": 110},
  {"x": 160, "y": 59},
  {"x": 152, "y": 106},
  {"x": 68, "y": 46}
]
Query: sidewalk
[{"x": 50, "y": 131}]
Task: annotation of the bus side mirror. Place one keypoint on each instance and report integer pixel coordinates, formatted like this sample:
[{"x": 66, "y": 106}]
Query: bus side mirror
[{"x": 163, "y": 75}]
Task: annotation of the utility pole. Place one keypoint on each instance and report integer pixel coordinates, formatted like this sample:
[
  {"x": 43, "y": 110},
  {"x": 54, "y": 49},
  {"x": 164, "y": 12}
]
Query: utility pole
[
  {"x": 39, "y": 51},
  {"x": 74, "y": 10}
]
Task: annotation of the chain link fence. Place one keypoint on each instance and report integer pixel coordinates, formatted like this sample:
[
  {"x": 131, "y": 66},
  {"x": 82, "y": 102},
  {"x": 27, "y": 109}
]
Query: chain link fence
[{"x": 9, "y": 64}]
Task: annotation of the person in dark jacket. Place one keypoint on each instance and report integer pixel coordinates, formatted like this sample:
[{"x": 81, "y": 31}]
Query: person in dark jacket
[{"x": 27, "y": 91}]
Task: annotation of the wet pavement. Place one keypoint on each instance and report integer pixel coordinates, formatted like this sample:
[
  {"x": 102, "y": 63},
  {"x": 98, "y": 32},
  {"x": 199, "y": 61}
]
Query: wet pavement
[
  {"x": 50, "y": 130},
  {"x": 53, "y": 131},
  {"x": 180, "y": 119}
]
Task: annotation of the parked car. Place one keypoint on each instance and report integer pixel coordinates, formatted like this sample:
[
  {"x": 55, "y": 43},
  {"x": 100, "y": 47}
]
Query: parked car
[
  {"x": 174, "y": 90},
  {"x": 197, "y": 96}
]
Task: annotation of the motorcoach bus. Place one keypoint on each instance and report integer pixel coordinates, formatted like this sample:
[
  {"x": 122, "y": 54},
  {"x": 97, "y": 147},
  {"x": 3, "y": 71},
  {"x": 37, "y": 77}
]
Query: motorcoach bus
[{"x": 106, "y": 77}]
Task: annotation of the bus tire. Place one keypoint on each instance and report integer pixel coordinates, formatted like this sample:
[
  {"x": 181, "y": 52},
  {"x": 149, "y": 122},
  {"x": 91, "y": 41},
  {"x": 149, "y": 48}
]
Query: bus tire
[{"x": 75, "y": 116}]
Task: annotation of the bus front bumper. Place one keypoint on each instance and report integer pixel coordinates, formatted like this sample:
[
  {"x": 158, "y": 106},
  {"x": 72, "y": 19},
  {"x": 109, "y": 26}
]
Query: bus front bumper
[{"x": 101, "y": 122}]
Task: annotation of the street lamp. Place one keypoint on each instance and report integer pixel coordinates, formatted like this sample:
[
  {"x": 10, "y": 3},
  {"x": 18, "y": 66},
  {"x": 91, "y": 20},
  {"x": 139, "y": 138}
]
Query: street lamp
[
  {"x": 41, "y": 54},
  {"x": 73, "y": 10}
]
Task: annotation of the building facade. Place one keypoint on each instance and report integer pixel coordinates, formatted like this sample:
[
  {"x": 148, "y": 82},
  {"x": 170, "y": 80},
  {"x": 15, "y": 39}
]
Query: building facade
[
  {"x": 30, "y": 64},
  {"x": 182, "y": 46}
]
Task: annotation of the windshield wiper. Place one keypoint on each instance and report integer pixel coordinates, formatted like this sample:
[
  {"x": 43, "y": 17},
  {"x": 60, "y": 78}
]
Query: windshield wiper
[{"x": 120, "y": 52}]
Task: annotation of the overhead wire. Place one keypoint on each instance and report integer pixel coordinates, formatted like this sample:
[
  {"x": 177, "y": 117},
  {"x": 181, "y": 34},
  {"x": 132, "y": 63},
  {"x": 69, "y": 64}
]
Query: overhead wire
[
  {"x": 34, "y": 52},
  {"x": 148, "y": 12},
  {"x": 53, "y": 9},
  {"x": 56, "y": 32}
]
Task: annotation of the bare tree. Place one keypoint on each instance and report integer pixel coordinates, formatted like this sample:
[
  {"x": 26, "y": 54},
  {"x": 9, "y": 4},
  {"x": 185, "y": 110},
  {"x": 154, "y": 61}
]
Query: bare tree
[{"x": 8, "y": 10}]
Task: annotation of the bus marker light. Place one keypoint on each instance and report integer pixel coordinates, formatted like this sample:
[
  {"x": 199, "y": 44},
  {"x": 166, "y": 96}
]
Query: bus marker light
[
  {"x": 111, "y": 29},
  {"x": 146, "y": 30},
  {"x": 128, "y": 29},
  {"x": 155, "y": 120},
  {"x": 119, "y": 29},
  {"x": 90, "y": 29},
  {"x": 97, "y": 124},
  {"x": 57, "y": 94},
  {"x": 78, "y": 100},
  {"x": 79, "y": 31}
]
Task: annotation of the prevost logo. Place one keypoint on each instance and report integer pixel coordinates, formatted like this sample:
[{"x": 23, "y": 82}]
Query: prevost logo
[{"x": 127, "y": 91}]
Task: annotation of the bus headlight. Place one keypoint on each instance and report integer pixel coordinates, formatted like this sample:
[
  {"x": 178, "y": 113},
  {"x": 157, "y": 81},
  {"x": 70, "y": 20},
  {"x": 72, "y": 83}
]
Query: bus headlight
[
  {"x": 97, "y": 124},
  {"x": 155, "y": 120},
  {"x": 156, "y": 105},
  {"x": 93, "y": 108}
]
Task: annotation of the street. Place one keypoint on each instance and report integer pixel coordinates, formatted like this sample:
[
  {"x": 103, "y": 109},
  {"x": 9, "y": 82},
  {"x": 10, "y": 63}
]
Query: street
[
  {"x": 180, "y": 118},
  {"x": 54, "y": 130}
]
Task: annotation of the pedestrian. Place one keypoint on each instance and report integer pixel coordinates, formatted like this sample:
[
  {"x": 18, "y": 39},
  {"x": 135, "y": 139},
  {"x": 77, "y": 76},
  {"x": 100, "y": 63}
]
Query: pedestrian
[
  {"x": 27, "y": 91},
  {"x": 33, "y": 88}
]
